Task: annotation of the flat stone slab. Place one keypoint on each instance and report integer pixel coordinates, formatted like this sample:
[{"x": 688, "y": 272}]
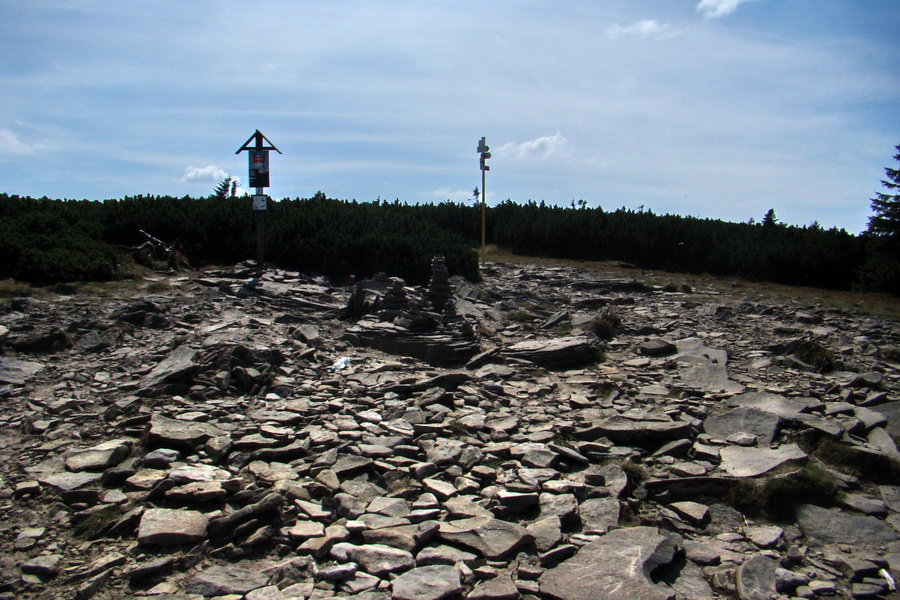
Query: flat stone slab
[
  {"x": 740, "y": 461},
  {"x": 491, "y": 537},
  {"x": 180, "y": 363},
  {"x": 235, "y": 579},
  {"x": 67, "y": 482},
  {"x": 657, "y": 346},
  {"x": 558, "y": 353},
  {"x": 747, "y": 420},
  {"x": 17, "y": 372},
  {"x": 432, "y": 582},
  {"x": 830, "y": 525},
  {"x": 175, "y": 433},
  {"x": 776, "y": 404},
  {"x": 694, "y": 347},
  {"x": 623, "y": 430},
  {"x": 712, "y": 377},
  {"x": 375, "y": 559},
  {"x": 171, "y": 527},
  {"x": 99, "y": 457},
  {"x": 598, "y": 514},
  {"x": 437, "y": 349},
  {"x": 615, "y": 567}
]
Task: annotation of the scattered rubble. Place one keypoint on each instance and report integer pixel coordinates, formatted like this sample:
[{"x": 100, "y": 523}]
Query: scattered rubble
[{"x": 546, "y": 434}]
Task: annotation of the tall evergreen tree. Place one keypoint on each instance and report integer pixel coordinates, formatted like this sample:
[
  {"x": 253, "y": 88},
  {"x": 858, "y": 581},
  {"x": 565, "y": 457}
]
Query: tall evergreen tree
[
  {"x": 886, "y": 220},
  {"x": 881, "y": 270},
  {"x": 226, "y": 188}
]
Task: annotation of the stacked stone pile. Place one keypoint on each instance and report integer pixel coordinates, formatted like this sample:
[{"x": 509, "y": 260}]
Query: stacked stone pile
[{"x": 202, "y": 444}]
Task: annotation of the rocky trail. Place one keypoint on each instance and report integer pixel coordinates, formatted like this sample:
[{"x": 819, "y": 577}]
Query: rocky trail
[{"x": 549, "y": 433}]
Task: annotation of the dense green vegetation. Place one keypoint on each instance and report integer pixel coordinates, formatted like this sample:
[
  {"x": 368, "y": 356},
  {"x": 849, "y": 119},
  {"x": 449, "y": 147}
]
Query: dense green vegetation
[
  {"x": 59, "y": 240},
  {"x": 65, "y": 240}
]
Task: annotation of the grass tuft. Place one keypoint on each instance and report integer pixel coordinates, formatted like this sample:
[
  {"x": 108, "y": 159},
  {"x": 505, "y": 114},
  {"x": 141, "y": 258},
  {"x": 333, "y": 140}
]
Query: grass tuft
[{"x": 777, "y": 497}]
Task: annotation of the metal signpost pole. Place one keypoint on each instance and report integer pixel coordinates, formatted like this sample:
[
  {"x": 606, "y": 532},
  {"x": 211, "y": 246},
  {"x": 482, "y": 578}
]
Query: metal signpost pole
[
  {"x": 259, "y": 179},
  {"x": 483, "y": 150}
]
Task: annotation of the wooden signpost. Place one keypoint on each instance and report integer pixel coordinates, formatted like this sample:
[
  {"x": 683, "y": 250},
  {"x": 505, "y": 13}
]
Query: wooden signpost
[{"x": 259, "y": 179}]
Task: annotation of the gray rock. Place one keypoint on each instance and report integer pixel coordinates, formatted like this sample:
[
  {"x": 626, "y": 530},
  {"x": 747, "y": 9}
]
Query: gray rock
[
  {"x": 764, "y": 536},
  {"x": 444, "y": 555},
  {"x": 432, "y": 582},
  {"x": 739, "y": 461},
  {"x": 437, "y": 349},
  {"x": 598, "y": 514},
  {"x": 711, "y": 377},
  {"x": 45, "y": 565},
  {"x": 68, "y": 482},
  {"x": 492, "y": 538},
  {"x": 776, "y": 404},
  {"x": 756, "y": 578},
  {"x": 623, "y": 430},
  {"x": 617, "y": 566},
  {"x": 175, "y": 433},
  {"x": 221, "y": 580},
  {"x": 891, "y": 410},
  {"x": 558, "y": 353},
  {"x": 500, "y": 587},
  {"x": 181, "y": 363},
  {"x": 17, "y": 372},
  {"x": 99, "y": 457},
  {"x": 657, "y": 346},
  {"x": 171, "y": 527},
  {"x": 694, "y": 512},
  {"x": 375, "y": 559},
  {"x": 827, "y": 526},
  {"x": 546, "y": 531},
  {"x": 867, "y": 380},
  {"x": 694, "y": 347},
  {"x": 563, "y": 506},
  {"x": 743, "y": 420}
]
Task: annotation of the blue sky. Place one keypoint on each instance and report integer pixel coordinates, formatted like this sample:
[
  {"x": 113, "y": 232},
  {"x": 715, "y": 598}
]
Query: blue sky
[{"x": 710, "y": 108}]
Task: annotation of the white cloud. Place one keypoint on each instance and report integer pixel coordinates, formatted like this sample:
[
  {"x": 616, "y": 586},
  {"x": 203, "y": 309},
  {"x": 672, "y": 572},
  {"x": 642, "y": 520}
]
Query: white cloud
[
  {"x": 540, "y": 148},
  {"x": 643, "y": 29},
  {"x": 11, "y": 144},
  {"x": 207, "y": 174},
  {"x": 713, "y": 9},
  {"x": 454, "y": 195}
]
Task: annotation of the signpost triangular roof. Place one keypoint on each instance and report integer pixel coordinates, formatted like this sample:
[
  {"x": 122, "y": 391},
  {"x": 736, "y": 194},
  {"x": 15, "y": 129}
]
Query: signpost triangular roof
[{"x": 257, "y": 139}]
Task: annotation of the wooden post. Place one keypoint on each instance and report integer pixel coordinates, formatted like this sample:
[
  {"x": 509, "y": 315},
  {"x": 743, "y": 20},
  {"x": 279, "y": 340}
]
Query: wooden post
[{"x": 259, "y": 175}]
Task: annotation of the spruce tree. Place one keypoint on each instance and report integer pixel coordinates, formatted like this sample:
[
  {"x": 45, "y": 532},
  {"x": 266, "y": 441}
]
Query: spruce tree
[
  {"x": 886, "y": 220},
  {"x": 881, "y": 270}
]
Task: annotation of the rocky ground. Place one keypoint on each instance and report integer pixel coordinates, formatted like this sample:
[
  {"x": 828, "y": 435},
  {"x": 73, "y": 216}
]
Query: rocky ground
[{"x": 275, "y": 437}]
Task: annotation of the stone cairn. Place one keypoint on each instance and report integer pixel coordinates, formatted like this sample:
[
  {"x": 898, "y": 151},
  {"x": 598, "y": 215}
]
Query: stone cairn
[
  {"x": 394, "y": 300},
  {"x": 439, "y": 290}
]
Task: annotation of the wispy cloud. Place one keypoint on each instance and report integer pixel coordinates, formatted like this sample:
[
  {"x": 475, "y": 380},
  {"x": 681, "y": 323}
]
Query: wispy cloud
[
  {"x": 713, "y": 9},
  {"x": 11, "y": 144},
  {"x": 644, "y": 29},
  {"x": 455, "y": 195},
  {"x": 207, "y": 174},
  {"x": 540, "y": 148}
]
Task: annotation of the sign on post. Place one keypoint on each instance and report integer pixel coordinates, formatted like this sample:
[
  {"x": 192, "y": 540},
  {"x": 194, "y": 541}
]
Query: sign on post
[{"x": 259, "y": 168}]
